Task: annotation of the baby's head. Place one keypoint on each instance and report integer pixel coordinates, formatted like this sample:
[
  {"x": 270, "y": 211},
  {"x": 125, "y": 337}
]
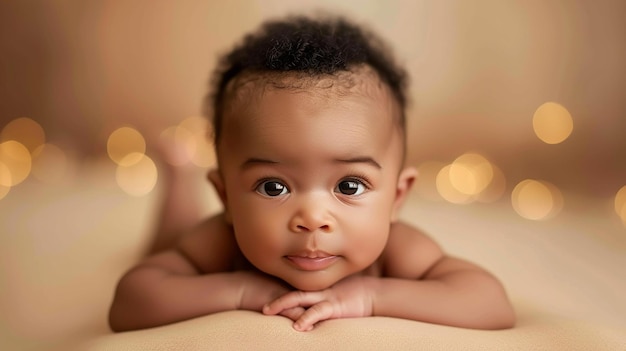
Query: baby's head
[
  {"x": 309, "y": 131},
  {"x": 311, "y": 51}
]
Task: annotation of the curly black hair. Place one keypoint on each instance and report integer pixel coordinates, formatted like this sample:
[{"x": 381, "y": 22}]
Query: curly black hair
[{"x": 310, "y": 46}]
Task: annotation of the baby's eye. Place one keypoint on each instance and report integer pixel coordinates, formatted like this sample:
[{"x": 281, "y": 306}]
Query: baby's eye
[
  {"x": 350, "y": 187},
  {"x": 272, "y": 188}
]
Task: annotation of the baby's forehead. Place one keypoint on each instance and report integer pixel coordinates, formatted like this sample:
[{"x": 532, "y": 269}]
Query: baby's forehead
[{"x": 362, "y": 86}]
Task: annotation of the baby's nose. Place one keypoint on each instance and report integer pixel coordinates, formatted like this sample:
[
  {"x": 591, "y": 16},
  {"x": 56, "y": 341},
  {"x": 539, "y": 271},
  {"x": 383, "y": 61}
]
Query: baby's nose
[{"x": 311, "y": 216}]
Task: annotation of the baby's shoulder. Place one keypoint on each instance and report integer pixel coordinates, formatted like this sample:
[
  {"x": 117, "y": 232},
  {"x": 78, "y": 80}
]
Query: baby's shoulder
[
  {"x": 211, "y": 246},
  {"x": 409, "y": 252}
]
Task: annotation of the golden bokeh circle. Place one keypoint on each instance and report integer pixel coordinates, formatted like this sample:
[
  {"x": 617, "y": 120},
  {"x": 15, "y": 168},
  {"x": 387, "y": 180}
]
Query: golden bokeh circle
[
  {"x": 17, "y": 159},
  {"x": 552, "y": 123},
  {"x": 5, "y": 180},
  {"x": 536, "y": 200},
  {"x": 123, "y": 142},
  {"x": 188, "y": 142},
  {"x": 26, "y": 131},
  {"x": 137, "y": 178},
  {"x": 181, "y": 145},
  {"x": 471, "y": 173},
  {"x": 448, "y": 191}
]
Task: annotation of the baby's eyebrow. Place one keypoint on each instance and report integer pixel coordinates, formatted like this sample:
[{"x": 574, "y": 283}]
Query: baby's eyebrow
[
  {"x": 256, "y": 161},
  {"x": 360, "y": 159}
]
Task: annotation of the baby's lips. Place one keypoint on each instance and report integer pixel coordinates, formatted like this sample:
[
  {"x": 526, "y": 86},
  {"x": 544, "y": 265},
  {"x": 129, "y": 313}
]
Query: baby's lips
[
  {"x": 312, "y": 263},
  {"x": 311, "y": 254}
]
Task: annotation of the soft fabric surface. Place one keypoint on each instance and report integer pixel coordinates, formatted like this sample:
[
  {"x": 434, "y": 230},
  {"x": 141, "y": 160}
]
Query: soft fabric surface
[
  {"x": 251, "y": 331},
  {"x": 63, "y": 247}
]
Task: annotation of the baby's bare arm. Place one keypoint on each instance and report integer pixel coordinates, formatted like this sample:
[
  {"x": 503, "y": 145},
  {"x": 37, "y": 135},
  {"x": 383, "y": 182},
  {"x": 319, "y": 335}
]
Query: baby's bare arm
[
  {"x": 426, "y": 285},
  {"x": 194, "y": 279}
]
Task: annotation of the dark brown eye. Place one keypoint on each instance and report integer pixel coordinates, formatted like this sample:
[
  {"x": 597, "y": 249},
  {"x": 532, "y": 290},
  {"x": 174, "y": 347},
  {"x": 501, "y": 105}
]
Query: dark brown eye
[
  {"x": 272, "y": 188},
  {"x": 350, "y": 187}
]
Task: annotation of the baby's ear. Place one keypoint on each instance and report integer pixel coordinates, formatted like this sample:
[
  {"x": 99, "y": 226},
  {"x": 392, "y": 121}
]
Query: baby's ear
[
  {"x": 215, "y": 177},
  {"x": 405, "y": 182}
]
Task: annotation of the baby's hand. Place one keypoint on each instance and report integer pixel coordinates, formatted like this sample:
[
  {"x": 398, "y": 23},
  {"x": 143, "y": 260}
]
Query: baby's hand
[
  {"x": 351, "y": 297},
  {"x": 257, "y": 290}
]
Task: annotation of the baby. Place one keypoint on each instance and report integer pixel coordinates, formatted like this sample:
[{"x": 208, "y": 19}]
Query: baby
[{"x": 309, "y": 130}]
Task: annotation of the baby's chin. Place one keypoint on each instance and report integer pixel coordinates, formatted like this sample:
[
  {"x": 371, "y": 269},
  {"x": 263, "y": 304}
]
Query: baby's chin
[{"x": 312, "y": 283}]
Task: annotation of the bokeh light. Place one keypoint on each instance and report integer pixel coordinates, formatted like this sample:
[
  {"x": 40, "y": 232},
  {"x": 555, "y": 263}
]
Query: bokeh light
[
  {"x": 470, "y": 173},
  {"x": 189, "y": 143},
  {"x": 196, "y": 124},
  {"x": 469, "y": 178},
  {"x": 204, "y": 155},
  {"x": 25, "y": 131},
  {"x": 552, "y": 123},
  {"x": 448, "y": 191},
  {"x": 16, "y": 158},
  {"x": 136, "y": 174},
  {"x": 5, "y": 179},
  {"x": 620, "y": 203},
  {"x": 50, "y": 164},
  {"x": 123, "y": 142},
  {"x": 536, "y": 200},
  {"x": 181, "y": 145}
]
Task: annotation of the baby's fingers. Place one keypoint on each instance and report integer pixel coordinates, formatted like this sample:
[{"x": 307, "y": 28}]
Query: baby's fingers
[
  {"x": 316, "y": 313},
  {"x": 291, "y": 300},
  {"x": 293, "y": 313}
]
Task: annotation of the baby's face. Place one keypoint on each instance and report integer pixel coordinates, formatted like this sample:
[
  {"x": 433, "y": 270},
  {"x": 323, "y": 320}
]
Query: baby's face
[{"x": 310, "y": 179}]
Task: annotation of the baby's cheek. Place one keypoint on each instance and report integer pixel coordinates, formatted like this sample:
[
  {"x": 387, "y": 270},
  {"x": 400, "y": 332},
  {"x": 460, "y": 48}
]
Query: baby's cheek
[
  {"x": 259, "y": 244},
  {"x": 367, "y": 243}
]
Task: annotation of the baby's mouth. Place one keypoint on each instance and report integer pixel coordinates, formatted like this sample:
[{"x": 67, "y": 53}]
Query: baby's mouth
[{"x": 312, "y": 260}]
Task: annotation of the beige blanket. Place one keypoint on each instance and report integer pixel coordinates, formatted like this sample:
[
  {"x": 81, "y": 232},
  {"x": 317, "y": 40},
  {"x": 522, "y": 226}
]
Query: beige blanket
[{"x": 63, "y": 247}]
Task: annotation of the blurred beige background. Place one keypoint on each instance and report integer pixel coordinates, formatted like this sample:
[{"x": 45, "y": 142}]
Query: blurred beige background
[{"x": 479, "y": 71}]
